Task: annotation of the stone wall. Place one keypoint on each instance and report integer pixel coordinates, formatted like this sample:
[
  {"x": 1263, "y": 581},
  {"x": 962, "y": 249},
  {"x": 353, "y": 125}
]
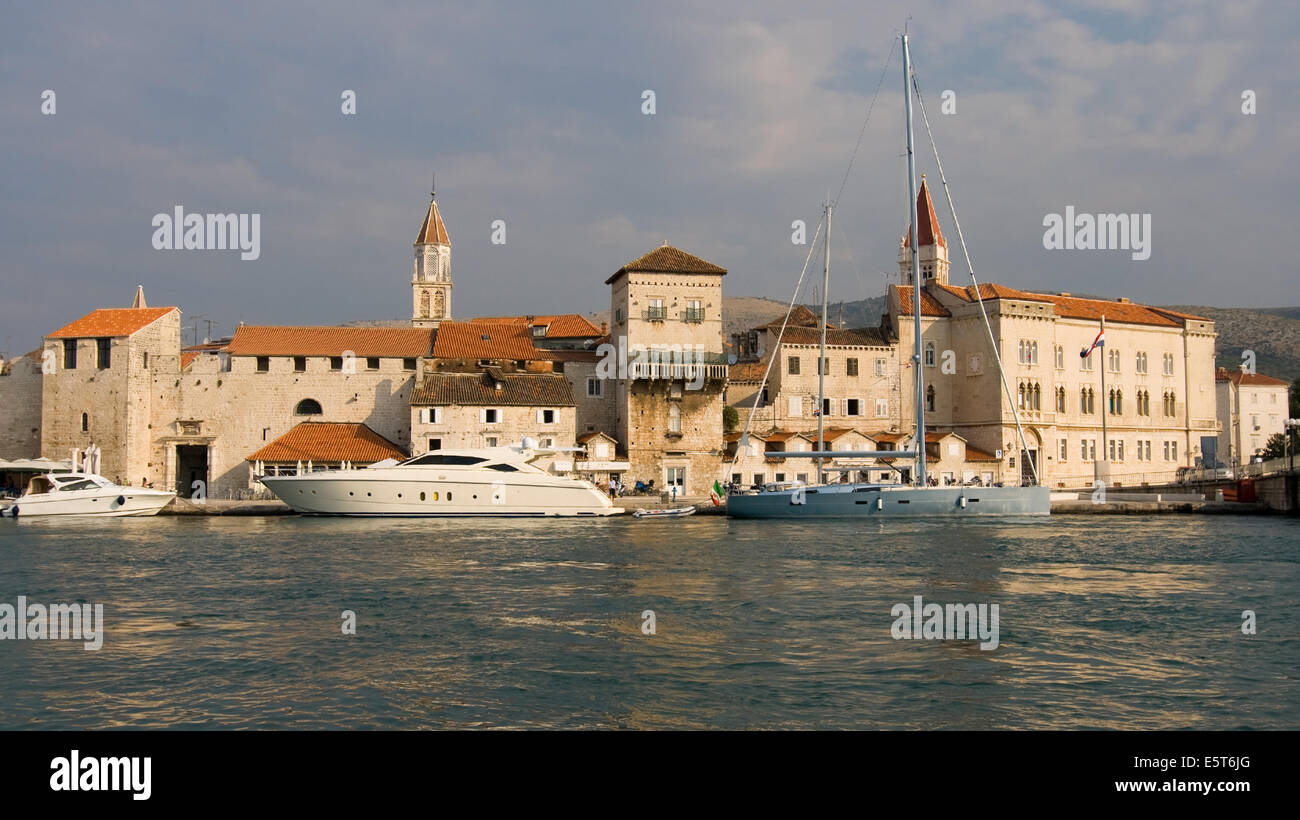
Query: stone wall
[{"x": 20, "y": 396}]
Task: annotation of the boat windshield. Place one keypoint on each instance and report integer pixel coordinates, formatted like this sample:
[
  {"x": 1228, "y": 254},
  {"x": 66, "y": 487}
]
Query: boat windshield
[{"x": 441, "y": 459}]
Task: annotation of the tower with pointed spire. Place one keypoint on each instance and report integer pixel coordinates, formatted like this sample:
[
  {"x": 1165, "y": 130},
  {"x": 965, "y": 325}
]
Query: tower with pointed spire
[
  {"x": 431, "y": 279},
  {"x": 929, "y": 239}
]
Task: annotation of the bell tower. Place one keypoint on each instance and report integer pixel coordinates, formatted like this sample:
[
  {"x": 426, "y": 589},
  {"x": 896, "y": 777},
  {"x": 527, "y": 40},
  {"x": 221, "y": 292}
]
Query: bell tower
[
  {"x": 431, "y": 279},
  {"x": 933, "y": 248}
]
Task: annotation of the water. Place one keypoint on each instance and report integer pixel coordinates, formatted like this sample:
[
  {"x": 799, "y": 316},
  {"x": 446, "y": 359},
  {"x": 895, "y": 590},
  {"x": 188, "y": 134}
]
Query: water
[{"x": 1105, "y": 622}]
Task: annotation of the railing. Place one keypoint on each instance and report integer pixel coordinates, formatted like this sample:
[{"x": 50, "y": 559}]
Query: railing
[
  {"x": 693, "y": 315},
  {"x": 656, "y": 314}
]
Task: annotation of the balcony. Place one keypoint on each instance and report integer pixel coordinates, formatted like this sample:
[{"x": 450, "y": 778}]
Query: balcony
[
  {"x": 656, "y": 314},
  {"x": 693, "y": 315}
]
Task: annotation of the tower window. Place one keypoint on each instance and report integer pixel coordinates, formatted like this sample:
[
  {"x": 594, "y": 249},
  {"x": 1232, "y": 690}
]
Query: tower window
[
  {"x": 85, "y": 422},
  {"x": 308, "y": 407},
  {"x": 104, "y": 347},
  {"x": 299, "y": 364},
  {"x": 69, "y": 354},
  {"x": 263, "y": 364}
]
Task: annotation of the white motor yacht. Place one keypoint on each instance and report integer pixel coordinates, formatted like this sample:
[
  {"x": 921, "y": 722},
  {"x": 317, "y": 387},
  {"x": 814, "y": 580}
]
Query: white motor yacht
[
  {"x": 491, "y": 482},
  {"x": 86, "y": 494}
]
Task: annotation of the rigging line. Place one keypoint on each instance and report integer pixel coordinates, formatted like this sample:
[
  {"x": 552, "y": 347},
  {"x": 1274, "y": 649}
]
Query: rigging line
[
  {"x": 862, "y": 280},
  {"x": 776, "y": 347},
  {"x": 863, "y": 131},
  {"x": 970, "y": 268}
]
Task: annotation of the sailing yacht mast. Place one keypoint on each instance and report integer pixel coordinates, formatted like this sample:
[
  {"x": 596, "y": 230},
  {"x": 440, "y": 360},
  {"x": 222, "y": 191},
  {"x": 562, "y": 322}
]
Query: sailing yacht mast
[
  {"x": 821, "y": 357},
  {"x": 916, "y": 271}
]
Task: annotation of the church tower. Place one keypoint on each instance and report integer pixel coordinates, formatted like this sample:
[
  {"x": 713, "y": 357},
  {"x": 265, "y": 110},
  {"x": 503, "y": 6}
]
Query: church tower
[
  {"x": 431, "y": 280},
  {"x": 934, "y": 250}
]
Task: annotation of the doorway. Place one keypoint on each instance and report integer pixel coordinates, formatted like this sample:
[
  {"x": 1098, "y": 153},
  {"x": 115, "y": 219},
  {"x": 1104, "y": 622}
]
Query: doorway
[
  {"x": 191, "y": 466},
  {"x": 1028, "y": 466}
]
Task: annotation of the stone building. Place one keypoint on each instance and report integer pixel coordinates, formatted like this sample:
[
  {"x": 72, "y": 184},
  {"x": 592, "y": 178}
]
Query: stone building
[
  {"x": 665, "y": 367},
  {"x": 1252, "y": 408},
  {"x": 20, "y": 396}
]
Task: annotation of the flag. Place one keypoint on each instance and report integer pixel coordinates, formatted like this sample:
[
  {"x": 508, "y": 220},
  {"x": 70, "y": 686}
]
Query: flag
[
  {"x": 715, "y": 494},
  {"x": 1100, "y": 341}
]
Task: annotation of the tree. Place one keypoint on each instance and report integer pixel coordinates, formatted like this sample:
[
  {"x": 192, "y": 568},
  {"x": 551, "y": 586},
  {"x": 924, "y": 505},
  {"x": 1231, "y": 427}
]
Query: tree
[
  {"x": 1276, "y": 446},
  {"x": 730, "y": 418}
]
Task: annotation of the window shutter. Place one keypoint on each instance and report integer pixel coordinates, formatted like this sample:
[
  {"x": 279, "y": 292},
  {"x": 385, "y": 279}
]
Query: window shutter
[
  {"x": 482, "y": 416},
  {"x": 436, "y": 415},
  {"x": 424, "y": 415}
]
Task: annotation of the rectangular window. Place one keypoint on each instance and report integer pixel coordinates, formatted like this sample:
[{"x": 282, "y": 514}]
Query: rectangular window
[
  {"x": 802, "y": 478},
  {"x": 1065, "y": 448},
  {"x": 372, "y": 363},
  {"x": 69, "y": 354},
  {"x": 336, "y": 362},
  {"x": 792, "y": 366},
  {"x": 104, "y": 347},
  {"x": 490, "y": 441},
  {"x": 146, "y": 360},
  {"x": 758, "y": 478},
  {"x": 1085, "y": 362},
  {"x": 656, "y": 312},
  {"x": 795, "y": 406},
  {"x": 694, "y": 311},
  {"x": 545, "y": 416},
  {"x": 882, "y": 408},
  {"x": 853, "y": 407},
  {"x": 880, "y": 367},
  {"x": 299, "y": 364},
  {"x": 823, "y": 367},
  {"x": 618, "y": 315},
  {"x": 779, "y": 477},
  {"x": 431, "y": 415},
  {"x": 263, "y": 364},
  {"x": 676, "y": 476},
  {"x": 1173, "y": 450},
  {"x": 827, "y": 405},
  {"x": 435, "y": 444},
  {"x": 489, "y": 415},
  {"x": 593, "y": 388},
  {"x": 736, "y": 478},
  {"x": 1083, "y": 450},
  {"x": 853, "y": 367},
  {"x": 408, "y": 364}
]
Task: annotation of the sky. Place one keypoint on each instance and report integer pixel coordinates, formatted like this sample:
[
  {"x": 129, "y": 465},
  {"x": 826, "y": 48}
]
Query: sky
[{"x": 533, "y": 114}]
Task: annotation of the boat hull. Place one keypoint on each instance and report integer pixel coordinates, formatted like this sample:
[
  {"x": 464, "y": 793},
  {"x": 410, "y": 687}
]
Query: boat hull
[
  {"x": 891, "y": 501},
  {"x": 338, "y": 493},
  {"x": 99, "y": 505}
]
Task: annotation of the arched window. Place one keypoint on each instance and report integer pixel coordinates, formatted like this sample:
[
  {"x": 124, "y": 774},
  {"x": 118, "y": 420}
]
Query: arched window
[
  {"x": 1119, "y": 402},
  {"x": 85, "y": 422},
  {"x": 1083, "y": 401},
  {"x": 1060, "y": 359},
  {"x": 308, "y": 407},
  {"x": 424, "y": 304},
  {"x": 439, "y": 305},
  {"x": 1021, "y": 395},
  {"x": 929, "y": 354},
  {"x": 1038, "y": 390},
  {"x": 1060, "y": 400},
  {"x": 929, "y": 399}
]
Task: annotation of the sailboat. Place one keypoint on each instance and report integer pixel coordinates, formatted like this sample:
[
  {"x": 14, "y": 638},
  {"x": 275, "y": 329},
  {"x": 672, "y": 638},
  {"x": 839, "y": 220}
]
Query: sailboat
[{"x": 882, "y": 499}]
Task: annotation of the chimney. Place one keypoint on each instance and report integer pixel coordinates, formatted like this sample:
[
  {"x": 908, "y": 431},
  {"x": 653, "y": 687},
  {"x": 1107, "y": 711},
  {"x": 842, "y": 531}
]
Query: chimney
[
  {"x": 1123, "y": 300},
  {"x": 604, "y": 328},
  {"x": 1063, "y": 293}
]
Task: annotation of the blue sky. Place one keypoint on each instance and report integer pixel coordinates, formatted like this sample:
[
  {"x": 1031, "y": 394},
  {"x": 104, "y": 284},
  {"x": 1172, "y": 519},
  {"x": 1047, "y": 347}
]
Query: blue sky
[{"x": 531, "y": 113}]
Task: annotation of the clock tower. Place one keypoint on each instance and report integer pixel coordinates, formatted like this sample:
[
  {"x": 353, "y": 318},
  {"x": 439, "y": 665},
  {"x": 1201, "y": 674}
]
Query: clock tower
[{"x": 431, "y": 279}]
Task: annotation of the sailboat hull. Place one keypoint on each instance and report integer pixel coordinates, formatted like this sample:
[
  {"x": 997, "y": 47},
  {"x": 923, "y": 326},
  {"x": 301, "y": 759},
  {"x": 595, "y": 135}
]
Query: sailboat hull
[{"x": 892, "y": 501}]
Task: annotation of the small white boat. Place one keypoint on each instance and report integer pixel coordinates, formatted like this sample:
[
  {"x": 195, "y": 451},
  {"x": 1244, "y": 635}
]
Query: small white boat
[
  {"x": 668, "y": 512},
  {"x": 86, "y": 494}
]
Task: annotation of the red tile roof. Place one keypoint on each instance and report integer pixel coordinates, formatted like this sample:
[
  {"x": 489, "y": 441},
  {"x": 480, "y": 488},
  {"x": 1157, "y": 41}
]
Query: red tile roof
[
  {"x": 783, "y": 435},
  {"x": 485, "y": 340},
  {"x": 928, "y": 232},
  {"x": 478, "y": 390},
  {"x": 560, "y": 326},
  {"x": 432, "y": 230},
  {"x": 1074, "y": 307},
  {"x": 1239, "y": 378},
  {"x": 586, "y": 437},
  {"x": 973, "y": 454},
  {"x": 929, "y": 305},
  {"x": 861, "y": 337},
  {"x": 329, "y": 441},
  {"x": 747, "y": 371},
  {"x": 800, "y": 316},
  {"x": 404, "y": 342},
  {"x": 667, "y": 259},
  {"x": 187, "y": 358},
  {"x": 111, "y": 322}
]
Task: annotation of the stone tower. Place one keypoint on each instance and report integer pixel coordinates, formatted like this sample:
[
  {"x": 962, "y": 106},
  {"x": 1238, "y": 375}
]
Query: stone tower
[
  {"x": 934, "y": 250},
  {"x": 431, "y": 280}
]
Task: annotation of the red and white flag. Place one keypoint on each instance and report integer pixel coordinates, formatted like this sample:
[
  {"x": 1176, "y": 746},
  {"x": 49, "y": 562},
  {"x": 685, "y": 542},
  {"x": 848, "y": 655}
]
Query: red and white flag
[{"x": 1100, "y": 341}]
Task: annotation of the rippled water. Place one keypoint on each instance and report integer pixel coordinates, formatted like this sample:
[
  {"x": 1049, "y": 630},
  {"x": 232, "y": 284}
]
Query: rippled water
[{"x": 1105, "y": 622}]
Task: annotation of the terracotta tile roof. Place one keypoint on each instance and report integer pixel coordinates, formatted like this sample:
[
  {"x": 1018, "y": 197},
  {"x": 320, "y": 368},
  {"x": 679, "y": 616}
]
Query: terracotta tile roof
[
  {"x": 187, "y": 358},
  {"x": 973, "y": 454},
  {"x": 832, "y": 433},
  {"x": 783, "y": 435},
  {"x": 432, "y": 230},
  {"x": 927, "y": 231},
  {"x": 485, "y": 340},
  {"x": 735, "y": 436},
  {"x": 1180, "y": 315},
  {"x": 559, "y": 326},
  {"x": 667, "y": 259},
  {"x": 477, "y": 390},
  {"x": 1239, "y": 378},
  {"x": 325, "y": 441},
  {"x": 586, "y": 437},
  {"x": 111, "y": 322},
  {"x": 747, "y": 371},
  {"x": 404, "y": 342},
  {"x": 887, "y": 436},
  {"x": 1074, "y": 307},
  {"x": 929, "y": 305},
  {"x": 801, "y": 316},
  {"x": 861, "y": 337},
  {"x": 570, "y": 355},
  {"x": 936, "y": 437}
]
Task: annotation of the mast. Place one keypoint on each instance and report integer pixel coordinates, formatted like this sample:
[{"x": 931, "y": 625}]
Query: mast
[
  {"x": 1105, "y": 404},
  {"x": 821, "y": 357},
  {"x": 916, "y": 271}
]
